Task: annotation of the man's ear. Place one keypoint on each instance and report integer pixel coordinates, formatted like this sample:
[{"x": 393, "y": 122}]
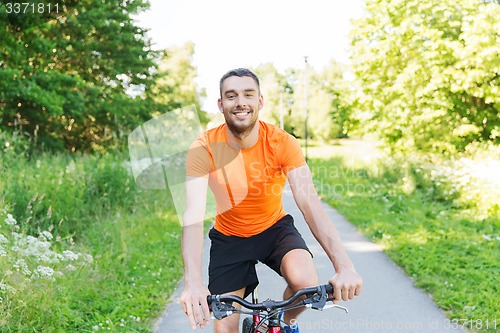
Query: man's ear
[
  {"x": 219, "y": 104},
  {"x": 261, "y": 102}
]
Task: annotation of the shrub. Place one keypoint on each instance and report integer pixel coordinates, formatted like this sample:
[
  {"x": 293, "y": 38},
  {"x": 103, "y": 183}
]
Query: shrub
[{"x": 34, "y": 271}]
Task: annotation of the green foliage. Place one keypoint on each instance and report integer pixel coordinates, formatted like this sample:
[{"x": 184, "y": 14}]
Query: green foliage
[
  {"x": 428, "y": 72},
  {"x": 328, "y": 101},
  {"x": 55, "y": 191},
  {"x": 276, "y": 92},
  {"x": 34, "y": 275},
  {"x": 331, "y": 99},
  {"x": 450, "y": 250},
  {"x": 175, "y": 86},
  {"x": 69, "y": 80},
  {"x": 65, "y": 210}
]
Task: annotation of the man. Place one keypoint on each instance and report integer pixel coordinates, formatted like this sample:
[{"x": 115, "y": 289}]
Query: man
[{"x": 246, "y": 163}]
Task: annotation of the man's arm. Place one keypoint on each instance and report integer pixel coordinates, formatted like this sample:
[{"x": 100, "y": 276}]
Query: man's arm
[
  {"x": 195, "y": 293},
  {"x": 346, "y": 282}
]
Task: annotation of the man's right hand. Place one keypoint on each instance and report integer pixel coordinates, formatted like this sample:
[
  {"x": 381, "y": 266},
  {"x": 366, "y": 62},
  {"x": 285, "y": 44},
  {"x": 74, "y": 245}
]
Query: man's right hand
[{"x": 194, "y": 303}]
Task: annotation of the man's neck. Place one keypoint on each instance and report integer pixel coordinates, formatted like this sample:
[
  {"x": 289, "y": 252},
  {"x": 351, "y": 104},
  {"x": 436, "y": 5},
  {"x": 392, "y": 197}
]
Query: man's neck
[{"x": 243, "y": 140}]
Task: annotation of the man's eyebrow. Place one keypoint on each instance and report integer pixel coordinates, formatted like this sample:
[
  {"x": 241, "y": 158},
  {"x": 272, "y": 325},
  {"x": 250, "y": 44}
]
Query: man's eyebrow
[{"x": 234, "y": 91}]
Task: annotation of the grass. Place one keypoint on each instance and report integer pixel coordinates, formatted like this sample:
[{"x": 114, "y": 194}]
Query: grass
[
  {"x": 450, "y": 252},
  {"x": 88, "y": 205}
]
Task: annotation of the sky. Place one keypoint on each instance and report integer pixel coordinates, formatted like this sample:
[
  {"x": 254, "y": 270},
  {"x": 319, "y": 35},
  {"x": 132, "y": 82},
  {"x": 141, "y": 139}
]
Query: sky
[{"x": 230, "y": 34}]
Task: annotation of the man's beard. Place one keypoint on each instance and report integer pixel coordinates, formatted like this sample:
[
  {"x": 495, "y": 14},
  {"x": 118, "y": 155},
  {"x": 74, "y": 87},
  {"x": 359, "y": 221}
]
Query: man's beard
[{"x": 238, "y": 131}]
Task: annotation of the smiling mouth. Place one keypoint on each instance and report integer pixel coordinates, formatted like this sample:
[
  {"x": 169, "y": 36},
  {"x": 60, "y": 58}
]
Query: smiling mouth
[{"x": 241, "y": 114}]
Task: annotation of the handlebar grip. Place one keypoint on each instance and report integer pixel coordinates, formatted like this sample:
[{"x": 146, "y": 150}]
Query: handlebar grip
[{"x": 329, "y": 288}]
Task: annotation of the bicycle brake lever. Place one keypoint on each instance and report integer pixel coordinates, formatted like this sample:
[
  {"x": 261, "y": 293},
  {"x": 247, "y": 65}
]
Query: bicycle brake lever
[
  {"x": 221, "y": 310},
  {"x": 318, "y": 301},
  {"x": 336, "y": 306}
]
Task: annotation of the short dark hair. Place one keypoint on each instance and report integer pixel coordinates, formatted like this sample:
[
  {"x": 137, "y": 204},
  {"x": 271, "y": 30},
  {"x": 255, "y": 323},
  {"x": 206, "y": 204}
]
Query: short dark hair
[{"x": 240, "y": 72}]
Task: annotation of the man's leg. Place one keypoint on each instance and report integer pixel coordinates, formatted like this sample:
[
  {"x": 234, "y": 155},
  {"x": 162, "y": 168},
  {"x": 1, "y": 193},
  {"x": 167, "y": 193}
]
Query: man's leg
[
  {"x": 229, "y": 324},
  {"x": 299, "y": 271}
]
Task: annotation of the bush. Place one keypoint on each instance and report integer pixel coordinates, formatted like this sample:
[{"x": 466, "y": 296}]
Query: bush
[
  {"x": 35, "y": 271},
  {"x": 66, "y": 193},
  {"x": 59, "y": 208},
  {"x": 468, "y": 181}
]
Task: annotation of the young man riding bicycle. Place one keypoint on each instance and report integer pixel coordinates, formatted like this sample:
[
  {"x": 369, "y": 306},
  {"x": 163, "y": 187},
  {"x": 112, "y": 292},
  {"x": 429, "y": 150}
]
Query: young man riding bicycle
[{"x": 246, "y": 163}]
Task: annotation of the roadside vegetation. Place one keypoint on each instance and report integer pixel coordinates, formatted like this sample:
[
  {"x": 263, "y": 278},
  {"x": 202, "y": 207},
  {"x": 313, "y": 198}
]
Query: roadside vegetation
[
  {"x": 82, "y": 249},
  {"x": 440, "y": 222}
]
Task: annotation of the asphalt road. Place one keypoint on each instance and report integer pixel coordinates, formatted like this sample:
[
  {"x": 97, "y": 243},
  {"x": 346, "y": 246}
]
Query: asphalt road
[{"x": 389, "y": 302}]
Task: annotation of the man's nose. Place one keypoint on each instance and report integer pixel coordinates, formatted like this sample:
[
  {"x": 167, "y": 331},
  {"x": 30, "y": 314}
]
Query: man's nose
[{"x": 241, "y": 101}]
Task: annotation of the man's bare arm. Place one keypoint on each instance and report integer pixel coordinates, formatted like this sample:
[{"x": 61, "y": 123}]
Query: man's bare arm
[
  {"x": 347, "y": 282},
  {"x": 195, "y": 292}
]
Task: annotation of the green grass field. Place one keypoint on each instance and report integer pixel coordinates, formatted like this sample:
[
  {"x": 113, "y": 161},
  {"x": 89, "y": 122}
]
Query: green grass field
[
  {"x": 450, "y": 252},
  {"x": 82, "y": 249}
]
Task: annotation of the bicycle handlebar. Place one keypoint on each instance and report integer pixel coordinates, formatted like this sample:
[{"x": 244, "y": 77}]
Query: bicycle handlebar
[{"x": 317, "y": 297}]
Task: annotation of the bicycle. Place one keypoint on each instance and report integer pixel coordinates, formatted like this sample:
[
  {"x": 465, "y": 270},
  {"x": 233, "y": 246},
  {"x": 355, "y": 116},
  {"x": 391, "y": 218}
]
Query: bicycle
[{"x": 265, "y": 316}]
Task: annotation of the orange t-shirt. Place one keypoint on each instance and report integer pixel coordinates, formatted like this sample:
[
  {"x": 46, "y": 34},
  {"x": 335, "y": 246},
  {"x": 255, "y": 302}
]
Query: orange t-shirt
[{"x": 247, "y": 183}]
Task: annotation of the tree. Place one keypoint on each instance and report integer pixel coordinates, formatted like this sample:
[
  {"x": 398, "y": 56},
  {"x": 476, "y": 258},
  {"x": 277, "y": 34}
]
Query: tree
[
  {"x": 273, "y": 88},
  {"x": 176, "y": 85},
  {"x": 328, "y": 108},
  {"x": 76, "y": 79},
  {"x": 424, "y": 69},
  {"x": 339, "y": 91}
]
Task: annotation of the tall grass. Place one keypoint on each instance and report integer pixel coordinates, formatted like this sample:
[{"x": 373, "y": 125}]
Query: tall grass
[
  {"x": 449, "y": 246},
  {"x": 82, "y": 249}
]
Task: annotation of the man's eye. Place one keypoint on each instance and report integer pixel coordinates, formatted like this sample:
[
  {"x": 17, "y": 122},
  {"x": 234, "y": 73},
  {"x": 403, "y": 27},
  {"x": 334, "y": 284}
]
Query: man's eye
[
  {"x": 231, "y": 96},
  {"x": 249, "y": 95}
]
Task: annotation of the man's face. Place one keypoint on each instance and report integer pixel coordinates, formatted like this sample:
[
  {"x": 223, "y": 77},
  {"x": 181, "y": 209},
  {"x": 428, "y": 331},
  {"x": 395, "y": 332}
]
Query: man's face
[{"x": 240, "y": 103}]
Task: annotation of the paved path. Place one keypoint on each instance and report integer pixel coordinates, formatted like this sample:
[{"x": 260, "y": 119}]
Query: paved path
[{"x": 389, "y": 301}]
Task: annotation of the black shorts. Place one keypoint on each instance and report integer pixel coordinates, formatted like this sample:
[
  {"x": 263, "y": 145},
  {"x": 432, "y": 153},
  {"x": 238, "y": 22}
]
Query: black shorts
[{"x": 233, "y": 258}]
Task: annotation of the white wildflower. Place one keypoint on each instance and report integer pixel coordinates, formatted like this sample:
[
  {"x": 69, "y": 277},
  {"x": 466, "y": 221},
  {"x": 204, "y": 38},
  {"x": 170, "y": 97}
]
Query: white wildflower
[
  {"x": 6, "y": 288},
  {"x": 95, "y": 328},
  {"x": 2, "y": 252},
  {"x": 44, "y": 272},
  {"x": 70, "y": 255},
  {"x": 70, "y": 268},
  {"x": 45, "y": 236},
  {"x": 71, "y": 167},
  {"x": 50, "y": 257},
  {"x": 10, "y": 220},
  {"x": 3, "y": 239},
  {"x": 16, "y": 236},
  {"x": 87, "y": 258},
  {"x": 21, "y": 266}
]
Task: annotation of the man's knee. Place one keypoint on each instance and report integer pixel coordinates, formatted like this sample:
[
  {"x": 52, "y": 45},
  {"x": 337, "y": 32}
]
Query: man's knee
[
  {"x": 227, "y": 325},
  {"x": 298, "y": 269}
]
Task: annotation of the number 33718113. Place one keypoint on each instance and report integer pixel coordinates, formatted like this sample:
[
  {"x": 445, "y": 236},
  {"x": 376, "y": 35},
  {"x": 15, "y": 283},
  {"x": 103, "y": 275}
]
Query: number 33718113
[{"x": 31, "y": 8}]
